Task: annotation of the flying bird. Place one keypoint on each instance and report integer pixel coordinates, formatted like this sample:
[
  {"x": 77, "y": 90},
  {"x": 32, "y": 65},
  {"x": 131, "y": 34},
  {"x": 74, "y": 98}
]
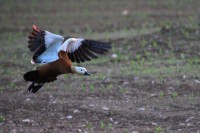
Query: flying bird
[{"x": 56, "y": 55}]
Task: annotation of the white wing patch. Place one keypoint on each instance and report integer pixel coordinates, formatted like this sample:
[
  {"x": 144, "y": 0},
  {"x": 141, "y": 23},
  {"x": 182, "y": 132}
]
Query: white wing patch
[
  {"x": 53, "y": 43},
  {"x": 71, "y": 44},
  {"x": 51, "y": 53},
  {"x": 50, "y": 38}
]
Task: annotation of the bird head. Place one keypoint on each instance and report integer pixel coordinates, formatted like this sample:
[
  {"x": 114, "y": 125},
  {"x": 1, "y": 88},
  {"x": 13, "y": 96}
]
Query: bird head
[{"x": 80, "y": 70}]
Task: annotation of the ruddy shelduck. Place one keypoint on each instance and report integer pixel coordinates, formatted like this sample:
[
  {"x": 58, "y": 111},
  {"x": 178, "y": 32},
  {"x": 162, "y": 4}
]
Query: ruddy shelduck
[{"x": 56, "y": 55}]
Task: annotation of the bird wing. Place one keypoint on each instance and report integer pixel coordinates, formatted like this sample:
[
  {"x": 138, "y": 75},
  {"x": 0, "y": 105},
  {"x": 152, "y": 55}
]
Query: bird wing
[
  {"x": 81, "y": 50},
  {"x": 44, "y": 44}
]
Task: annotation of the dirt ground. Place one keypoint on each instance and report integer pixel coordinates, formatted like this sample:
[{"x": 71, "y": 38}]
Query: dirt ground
[{"x": 153, "y": 86}]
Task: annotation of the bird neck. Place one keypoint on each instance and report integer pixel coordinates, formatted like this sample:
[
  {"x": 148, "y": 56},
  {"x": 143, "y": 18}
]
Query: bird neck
[{"x": 73, "y": 70}]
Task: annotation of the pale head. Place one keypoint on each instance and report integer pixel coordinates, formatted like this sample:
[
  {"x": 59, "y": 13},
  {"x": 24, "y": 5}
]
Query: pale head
[{"x": 80, "y": 70}]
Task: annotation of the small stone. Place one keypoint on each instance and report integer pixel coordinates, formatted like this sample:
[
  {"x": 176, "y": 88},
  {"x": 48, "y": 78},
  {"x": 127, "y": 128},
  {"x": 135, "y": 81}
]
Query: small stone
[
  {"x": 27, "y": 120},
  {"x": 91, "y": 105},
  {"x": 54, "y": 102},
  {"x": 125, "y": 12},
  {"x": 13, "y": 131},
  {"x": 181, "y": 124},
  {"x": 164, "y": 117},
  {"x": 125, "y": 83},
  {"x": 62, "y": 118},
  {"x": 189, "y": 124},
  {"x": 79, "y": 130},
  {"x": 28, "y": 99},
  {"x": 76, "y": 111},
  {"x": 134, "y": 132},
  {"x": 69, "y": 117},
  {"x": 153, "y": 123},
  {"x": 113, "y": 57},
  {"x": 184, "y": 76},
  {"x": 190, "y": 118},
  {"x": 141, "y": 109},
  {"x": 83, "y": 106},
  {"x": 152, "y": 95},
  {"x": 105, "y": 108},
  {"x": 116, "y": 122},
  {"x": 197, "y": 81},
  {"x": 136, "y": 78},
  {"x": 10, "y": 122},
  {"x": 50, "y": 96}
]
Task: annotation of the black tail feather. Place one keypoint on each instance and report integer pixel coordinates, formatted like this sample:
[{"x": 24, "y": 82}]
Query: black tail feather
[
  {"x": 37, "y": 81},
  {"x": 31, "y": 76},
  {"x": 34, "y": 88}
]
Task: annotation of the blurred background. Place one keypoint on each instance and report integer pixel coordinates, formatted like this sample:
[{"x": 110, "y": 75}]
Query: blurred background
[
  {"x": 148, "y": 82},
  {"x": 76, "y": 17}
]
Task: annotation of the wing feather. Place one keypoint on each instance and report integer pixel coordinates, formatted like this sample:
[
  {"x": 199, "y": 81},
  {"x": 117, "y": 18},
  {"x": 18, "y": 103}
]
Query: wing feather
[
  {"x": 81, "y": 50},
  {"x": 80, "y": 56},
  {"x": 44, "y": 44}
]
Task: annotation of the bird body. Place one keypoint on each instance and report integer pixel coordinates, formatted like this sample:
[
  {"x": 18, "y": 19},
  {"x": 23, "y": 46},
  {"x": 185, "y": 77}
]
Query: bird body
[
  {"x": 57, "y": 55},
  {"x": 57, "y": 67}
]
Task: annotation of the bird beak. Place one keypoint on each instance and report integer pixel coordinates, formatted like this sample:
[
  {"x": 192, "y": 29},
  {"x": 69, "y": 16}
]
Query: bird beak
[{"x": 87, "y": 74}]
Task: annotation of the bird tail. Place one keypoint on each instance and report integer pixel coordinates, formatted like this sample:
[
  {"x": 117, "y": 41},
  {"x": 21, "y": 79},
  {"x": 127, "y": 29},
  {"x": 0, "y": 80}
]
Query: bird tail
[
  {"x": 37, "y": 80},
  {"x": 31, "y": 76}
]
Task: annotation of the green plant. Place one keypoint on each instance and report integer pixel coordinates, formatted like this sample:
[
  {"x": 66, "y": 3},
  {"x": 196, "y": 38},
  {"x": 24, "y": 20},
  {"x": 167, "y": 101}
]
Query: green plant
[
  {"x": 102, "y": 125},
  {"x": 110, "y": 126},
  {"x": 12, "y": 85},
  {"x": 160, "y": 51},
  {"x": 154, "y": 43},
  {"x": 10, "y": 37},
  {"x": 91, "y": 87},
  {"x": 125, "y": 130},
  {"x": 143, "y": 43},
  {"x": 83, "y": 87},
  {"x": 1, "y": 88},
  {"x": 110, "y": 86},
  {"x": 134, "y": 66},
  {"x": 65, "y": 76},
  {"x": 138, "y": 57},
  {"x": 191, "y": 96},
  {"x": 194, "y": 60},
  {"x": 193, "y": 22},
  {"x": 169, "y": 44},
  {"x": 182, "y": 56},
  {"x": 186, "y": 34},
  {"x": 167, "y": 24},
  {"x": 174, "y": 94},
  {"x": 100, "y": 76},
  {"x": 89, "y": 126},
  {"x": 161, "y": 94},
  {"x": 159, "y": 129},
  {"x": 142, "y": 61},
  {"x": 2, "y": 118},
  {"x": 122, "y": 89}
]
